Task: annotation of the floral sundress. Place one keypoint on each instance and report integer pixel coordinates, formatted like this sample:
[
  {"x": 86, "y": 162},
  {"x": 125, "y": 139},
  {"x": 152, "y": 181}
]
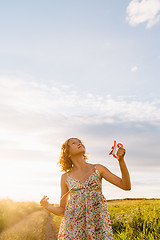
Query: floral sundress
[{"x": 86, "y": 214}]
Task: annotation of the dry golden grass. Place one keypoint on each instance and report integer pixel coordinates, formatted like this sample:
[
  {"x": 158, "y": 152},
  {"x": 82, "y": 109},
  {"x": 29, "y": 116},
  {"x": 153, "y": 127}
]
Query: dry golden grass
[
  {"x": 31, "y": 227},
  {"x": 12, "y": 212}
]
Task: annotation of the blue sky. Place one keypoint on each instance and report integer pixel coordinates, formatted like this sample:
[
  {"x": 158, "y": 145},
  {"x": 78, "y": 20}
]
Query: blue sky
[{"x": 88, "y": 69}]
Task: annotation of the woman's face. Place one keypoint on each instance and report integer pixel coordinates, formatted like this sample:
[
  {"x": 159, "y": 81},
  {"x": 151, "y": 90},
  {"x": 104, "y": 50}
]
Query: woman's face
[{"x": 76, "y": 147}]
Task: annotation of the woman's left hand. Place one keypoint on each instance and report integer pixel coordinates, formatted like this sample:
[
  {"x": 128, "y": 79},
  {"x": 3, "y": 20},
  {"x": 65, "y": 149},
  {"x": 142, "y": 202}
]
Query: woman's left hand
[{"x": 120, "y": 153}]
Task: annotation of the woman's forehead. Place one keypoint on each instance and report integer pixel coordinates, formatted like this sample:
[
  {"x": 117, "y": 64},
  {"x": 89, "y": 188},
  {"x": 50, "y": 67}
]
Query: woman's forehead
[{"x": 74, "y": 140}]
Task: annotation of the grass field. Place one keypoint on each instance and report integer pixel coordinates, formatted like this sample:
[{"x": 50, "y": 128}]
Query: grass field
[
  {"x": 135, "y": 219},
  {"x": 131, "y": 219},
  {"x": 22, "y": 221}
]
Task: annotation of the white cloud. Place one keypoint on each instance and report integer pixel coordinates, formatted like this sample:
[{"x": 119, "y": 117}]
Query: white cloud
[
  {"x": 24, "y": 97},
  {"x": 134, "y": 69},
  {"x": 36, "y": 118},
  {"x": 145, "y": 11}
]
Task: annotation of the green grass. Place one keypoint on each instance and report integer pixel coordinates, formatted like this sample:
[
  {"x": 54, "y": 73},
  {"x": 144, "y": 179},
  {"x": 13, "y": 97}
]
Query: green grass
[{"x": 135, "y": 219}]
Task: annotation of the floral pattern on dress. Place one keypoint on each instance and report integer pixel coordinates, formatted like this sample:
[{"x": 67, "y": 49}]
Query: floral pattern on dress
[{"x": 86, "y": 214}]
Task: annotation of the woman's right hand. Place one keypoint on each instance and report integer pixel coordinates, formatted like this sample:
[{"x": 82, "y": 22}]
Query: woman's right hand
[{"x": 44, "y": 201}]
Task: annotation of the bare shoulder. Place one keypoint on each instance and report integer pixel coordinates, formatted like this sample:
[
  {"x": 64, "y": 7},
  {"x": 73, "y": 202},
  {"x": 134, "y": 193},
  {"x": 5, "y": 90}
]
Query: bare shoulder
[
  {"x": 64, "y": 178},
  {"x": 64, "y": 175},
  {"x": 100, "y": 168}
]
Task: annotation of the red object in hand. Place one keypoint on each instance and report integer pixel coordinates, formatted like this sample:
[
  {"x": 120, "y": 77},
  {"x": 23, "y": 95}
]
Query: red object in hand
[{"x": 114, "y": 148}]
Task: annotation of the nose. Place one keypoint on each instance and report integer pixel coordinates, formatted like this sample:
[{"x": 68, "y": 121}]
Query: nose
[{"x": 80, "y": 145}]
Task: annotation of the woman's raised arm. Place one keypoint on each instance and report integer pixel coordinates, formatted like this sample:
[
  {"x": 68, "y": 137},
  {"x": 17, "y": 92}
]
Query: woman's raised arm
[{"x": 124, "y": 182}]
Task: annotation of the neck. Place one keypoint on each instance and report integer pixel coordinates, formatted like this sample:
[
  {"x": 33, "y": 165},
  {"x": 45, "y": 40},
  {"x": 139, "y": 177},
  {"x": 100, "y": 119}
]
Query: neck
[{"x": 79, "y": 162}]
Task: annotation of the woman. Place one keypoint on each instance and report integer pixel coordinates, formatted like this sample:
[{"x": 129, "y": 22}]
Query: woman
[{"x": 85, "y": 215}]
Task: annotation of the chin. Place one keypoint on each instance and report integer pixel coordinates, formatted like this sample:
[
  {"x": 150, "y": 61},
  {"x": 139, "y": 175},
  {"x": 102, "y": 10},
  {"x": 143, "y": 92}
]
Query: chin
[{"x": 83, "y": 152}]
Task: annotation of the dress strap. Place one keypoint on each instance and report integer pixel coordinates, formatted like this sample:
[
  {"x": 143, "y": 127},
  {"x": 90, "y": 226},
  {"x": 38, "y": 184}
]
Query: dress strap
[{"x": 67, "y": 175}]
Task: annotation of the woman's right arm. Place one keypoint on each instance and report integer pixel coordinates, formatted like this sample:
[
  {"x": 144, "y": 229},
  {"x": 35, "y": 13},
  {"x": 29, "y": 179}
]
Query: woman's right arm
[{"x": 59, "y": 210}]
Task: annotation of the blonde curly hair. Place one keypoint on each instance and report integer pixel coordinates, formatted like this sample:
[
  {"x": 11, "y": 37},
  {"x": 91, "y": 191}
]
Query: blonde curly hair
[{"x": 65, "y": 161}]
